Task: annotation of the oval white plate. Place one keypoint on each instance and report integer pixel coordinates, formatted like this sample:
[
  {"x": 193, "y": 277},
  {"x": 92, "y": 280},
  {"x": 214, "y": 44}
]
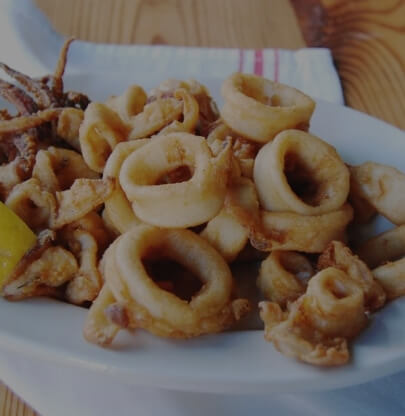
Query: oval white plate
[{"x": 238, "y": 362}]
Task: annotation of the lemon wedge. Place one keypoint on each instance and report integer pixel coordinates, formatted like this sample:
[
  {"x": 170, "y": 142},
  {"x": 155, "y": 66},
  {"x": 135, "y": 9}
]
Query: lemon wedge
[{"x": 16, "y": 239}]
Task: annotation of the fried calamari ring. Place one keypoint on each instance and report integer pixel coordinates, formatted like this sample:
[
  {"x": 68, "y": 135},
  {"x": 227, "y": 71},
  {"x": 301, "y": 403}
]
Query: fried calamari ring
[
  {"x": 154, "y": 117},
  {"x": 17, "y": 159},
  {"x": 117, "y": 207},
  {"x": 68, "y": 126},
  {"x": 258, "y": 108},
  {"x": 145, "y": 305},
  {"x": 9, "y": 177},
  {"x": 391, "y": 277},
  {"x": 93, "y": 224},
  {"x": 217, "y": 136},
  {"x": 128, "y": 104},
  {"x": 98, "y": 327},
  {"x": 229, "y": 231},
  {"x": 58, "y": 168},
  {"x": 41, "y": 271},
  {"x": 34, "y": 205},
  {"x": 101, "y": 130},
  {"x": 341, "y": 257},
  {"x": 243, "y": 150},
  {"x": 41, "y": 209},
  {"x": 309, "y": 234},
  {"x": 184, "y": 204},
  {"x": 225, "y": 233},
  {"x": 208, "y": 111},
  {"x": 363, "y": 210},
  {"x": 87, "y": 282},
  {"x": 383, "y": 187},
  {"x": 387, "y": 251},
  {"x": 283, "y": 276},
  {"x": 84, "y": 196},
  {"x": 169, "y": 86},
  {"x": 387, "y": 246},
  {"x": 316, "y": 327},
  {"x": 301, "y": 173},
  {"x": 190, "y": 114},
  {"x": 337, "y": 303}
]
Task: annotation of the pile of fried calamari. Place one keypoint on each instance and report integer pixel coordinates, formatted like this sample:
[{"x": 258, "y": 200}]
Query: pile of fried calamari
[
  {"x": 46, "y": 181},
  {"x": 143, "y": 205}
]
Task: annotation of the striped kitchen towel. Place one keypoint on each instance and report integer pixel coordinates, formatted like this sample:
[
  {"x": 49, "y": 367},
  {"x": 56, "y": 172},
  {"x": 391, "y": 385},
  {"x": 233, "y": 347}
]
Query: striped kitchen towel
[{"x": 29, "y": 44}]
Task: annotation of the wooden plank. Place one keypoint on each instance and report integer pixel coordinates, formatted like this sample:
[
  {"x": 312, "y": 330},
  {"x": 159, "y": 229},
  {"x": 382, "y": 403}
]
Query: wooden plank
[
  {"x": 367, "y": 41},
  {"x": 12, "y": 405},
  {"x": 227, "y": 23}
]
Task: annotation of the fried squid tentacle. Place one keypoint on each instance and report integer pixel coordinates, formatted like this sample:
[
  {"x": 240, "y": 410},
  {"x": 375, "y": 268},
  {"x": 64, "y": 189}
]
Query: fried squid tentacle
[
  {"x": 43, "y": 94},
  {"x": 339, "y": 256},
  {"x": 318, "y": 325},
  {"x": 26, "y": 122},
  {"x": 57, "y": 79},
  {"x": 42, "y": 271},
  {"x": 21, "y": 100}
]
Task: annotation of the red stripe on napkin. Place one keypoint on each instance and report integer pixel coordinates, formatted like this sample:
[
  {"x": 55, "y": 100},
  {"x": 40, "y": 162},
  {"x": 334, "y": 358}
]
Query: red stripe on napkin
[{"x": 258, "y": 67}]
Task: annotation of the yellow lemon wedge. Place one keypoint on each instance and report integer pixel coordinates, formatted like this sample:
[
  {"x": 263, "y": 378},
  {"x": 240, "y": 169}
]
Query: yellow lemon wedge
[{"x": 16, "y": 239}]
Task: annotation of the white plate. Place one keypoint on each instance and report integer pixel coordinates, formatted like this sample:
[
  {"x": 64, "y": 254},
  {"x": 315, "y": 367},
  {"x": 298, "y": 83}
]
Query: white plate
[{"x": 238, "y": 362}]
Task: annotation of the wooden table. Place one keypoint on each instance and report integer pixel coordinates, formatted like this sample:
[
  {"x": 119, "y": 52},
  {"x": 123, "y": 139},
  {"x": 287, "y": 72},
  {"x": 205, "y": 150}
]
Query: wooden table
[{"x": 365, "y": 36}]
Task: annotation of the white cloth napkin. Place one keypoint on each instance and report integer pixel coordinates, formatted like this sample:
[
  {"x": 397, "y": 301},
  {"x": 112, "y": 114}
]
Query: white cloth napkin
[{"x": 28, "y": 43}]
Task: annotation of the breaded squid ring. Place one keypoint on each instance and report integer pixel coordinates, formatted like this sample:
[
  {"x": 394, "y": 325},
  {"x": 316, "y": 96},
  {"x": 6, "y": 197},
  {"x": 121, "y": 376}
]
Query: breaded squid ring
[
  {"x": 101, "y": 130},
  {"x": 41, "y": 209},
  {"x": 141, "y": 303},
  {"x": 87, "y": 283},
  {"x": 341, "y": 257},
  {"x": 35, "y": 206},
  {"x": 69, "y": 124},
  {"x": 190, "y": 114},
  {"x": 309, "y": 234},
  {"x": 316, "y": 327},
  {"x": 383, "y": 187},
  {"x": 208, "y": 111},
  {"x": 93, "y": 224},
  {"x": 229, "y": 231},
  {"x": 183, "y": 204},
  {"x": 117, "y": 207},
  {"x": 363, "y": 210},
  {"x": 226, "y": 234},
  {"x": 244, "y": 151},
  {"x": 301, "y": 173},
  {"x": 258, "y": 108},
  {"x": 154, "y": 117},
  {"x": 58, "y": 168},
  {"x": 128, "y": 104},
  {"x": 387, "y": 246},
  {"x": 387, "y": 251},
  {"x": 336, "y": 302},
  {"x": 391, "y": 276},
  {"x": 283, "y": 276}
]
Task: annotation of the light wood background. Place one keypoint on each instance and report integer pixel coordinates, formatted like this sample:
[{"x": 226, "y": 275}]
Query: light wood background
[{"x": 367, "y": 38}]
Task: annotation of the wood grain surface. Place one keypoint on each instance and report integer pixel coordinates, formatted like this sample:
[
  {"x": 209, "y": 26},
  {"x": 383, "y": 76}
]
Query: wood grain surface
[
  {"x": 367, "y": 39},
  {"x": 226, "y": 23},
  {"x": 12, "y": 405},
  {"x": 365, "y": 36}
]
